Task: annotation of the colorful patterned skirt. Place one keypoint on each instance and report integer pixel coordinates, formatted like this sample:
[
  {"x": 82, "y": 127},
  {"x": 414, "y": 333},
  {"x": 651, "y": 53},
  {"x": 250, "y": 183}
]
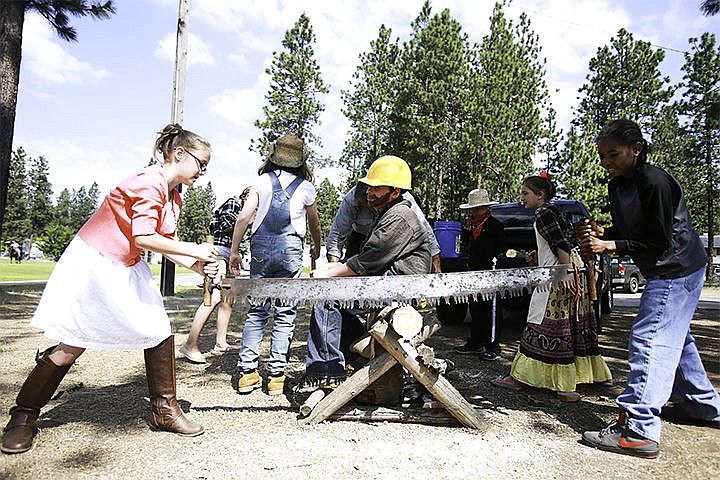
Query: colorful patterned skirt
[{"x": 562, "y": 350}]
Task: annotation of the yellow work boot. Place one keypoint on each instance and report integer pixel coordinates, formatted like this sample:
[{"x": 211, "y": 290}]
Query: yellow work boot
[
  {"x": 249, "y": 382},
  {"x": 276, "y": 385}
]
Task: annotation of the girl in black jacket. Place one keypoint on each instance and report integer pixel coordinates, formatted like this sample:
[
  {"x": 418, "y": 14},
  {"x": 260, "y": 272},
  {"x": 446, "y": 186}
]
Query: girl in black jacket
[{"x": 651, "y": 224}]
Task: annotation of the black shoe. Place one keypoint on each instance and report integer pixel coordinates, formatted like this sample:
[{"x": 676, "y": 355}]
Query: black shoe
[
  {"x": 489, "y": 355},
  {"x": 618, "y": 438},
  {"x": 310, "y": 383},
  {"x": 468, "y": 349},
  {"x": 677, "y": 414}
]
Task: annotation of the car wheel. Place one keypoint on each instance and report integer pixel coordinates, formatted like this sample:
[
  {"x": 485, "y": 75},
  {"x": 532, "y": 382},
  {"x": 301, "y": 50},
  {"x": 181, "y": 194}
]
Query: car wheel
[{"x": 633, "y": 285}]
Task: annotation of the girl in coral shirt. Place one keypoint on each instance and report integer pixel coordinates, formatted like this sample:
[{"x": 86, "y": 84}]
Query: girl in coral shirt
[{"x": 101, "y": 294}]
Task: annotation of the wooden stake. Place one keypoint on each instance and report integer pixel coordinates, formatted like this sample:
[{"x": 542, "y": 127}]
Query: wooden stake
[{"x": 207, "y": 281}]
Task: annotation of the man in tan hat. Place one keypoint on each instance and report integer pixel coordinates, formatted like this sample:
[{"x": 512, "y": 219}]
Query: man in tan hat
[{"x": 484, "y": 240}]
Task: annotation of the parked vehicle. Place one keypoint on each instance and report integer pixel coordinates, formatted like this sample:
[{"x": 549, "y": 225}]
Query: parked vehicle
[
  {"x": 626, "y": 275},
  {"x": 518, "y": 222}
]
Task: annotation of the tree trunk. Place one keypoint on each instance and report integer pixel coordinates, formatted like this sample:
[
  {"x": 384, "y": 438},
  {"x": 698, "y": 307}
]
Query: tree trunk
[
  {"x": 12, "y": 16},
  {"x": 710, "y": 210}
]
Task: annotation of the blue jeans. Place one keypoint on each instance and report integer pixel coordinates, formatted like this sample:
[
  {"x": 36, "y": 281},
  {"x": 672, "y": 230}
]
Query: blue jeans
[
  {"x": 663, "y": 357},
  {"x": 331, "y": 332},
  {"x": 272, "y": 257}
]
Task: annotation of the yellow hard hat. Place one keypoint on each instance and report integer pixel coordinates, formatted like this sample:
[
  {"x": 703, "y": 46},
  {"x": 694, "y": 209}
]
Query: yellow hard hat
[{"x": 389, "y": 171}]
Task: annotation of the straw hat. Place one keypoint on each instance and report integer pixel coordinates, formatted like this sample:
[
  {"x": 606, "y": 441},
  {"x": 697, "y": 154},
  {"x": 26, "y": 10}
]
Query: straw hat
[
  {"x": 478, "y": 198},
  {"x": 288, "y": 152}
]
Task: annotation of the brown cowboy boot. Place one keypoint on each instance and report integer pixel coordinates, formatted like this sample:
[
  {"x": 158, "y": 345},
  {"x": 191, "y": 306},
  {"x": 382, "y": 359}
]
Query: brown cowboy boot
[
  {"x": 166, "y": 413},
  {"x": 34, "y": 394}
]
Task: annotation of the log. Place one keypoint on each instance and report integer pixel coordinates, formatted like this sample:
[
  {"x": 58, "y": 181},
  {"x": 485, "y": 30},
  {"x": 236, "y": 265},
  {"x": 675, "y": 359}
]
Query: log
[
  {"x": 404, "y": 352},
  {"x": 310, "y": 403},
  {"x": 362, "y": 378},
  {"x": 385, "y": 414}
]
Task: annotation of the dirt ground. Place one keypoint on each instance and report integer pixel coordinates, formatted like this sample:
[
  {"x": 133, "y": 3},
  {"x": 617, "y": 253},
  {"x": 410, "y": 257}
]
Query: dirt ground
[{"x": 96, "y": 426}]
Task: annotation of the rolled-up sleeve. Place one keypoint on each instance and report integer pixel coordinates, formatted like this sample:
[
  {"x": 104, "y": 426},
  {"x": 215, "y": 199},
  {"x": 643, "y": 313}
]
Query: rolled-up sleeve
[
  {"x": 146, "y": 201},
  {"x": 341, "y": 225}
]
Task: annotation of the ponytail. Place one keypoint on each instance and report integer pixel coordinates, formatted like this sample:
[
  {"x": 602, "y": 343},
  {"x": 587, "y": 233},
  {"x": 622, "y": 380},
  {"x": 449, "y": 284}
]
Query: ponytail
[{"x": 174, "y": 136}]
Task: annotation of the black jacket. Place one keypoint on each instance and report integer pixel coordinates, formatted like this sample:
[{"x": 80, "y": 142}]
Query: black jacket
[
  {"x": 651, "y": 224},
  {"x": 488, "y": 245}
]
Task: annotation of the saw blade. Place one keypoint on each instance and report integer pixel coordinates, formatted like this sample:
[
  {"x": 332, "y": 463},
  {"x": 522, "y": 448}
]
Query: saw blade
[{"x": 375, "y": 292}]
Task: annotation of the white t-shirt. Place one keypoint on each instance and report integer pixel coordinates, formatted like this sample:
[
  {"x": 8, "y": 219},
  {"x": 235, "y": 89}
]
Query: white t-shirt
[{"x": 304, "y": 195}]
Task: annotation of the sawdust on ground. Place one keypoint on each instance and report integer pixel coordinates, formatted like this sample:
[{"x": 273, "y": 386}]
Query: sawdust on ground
[{"x": 96, "y": 424}]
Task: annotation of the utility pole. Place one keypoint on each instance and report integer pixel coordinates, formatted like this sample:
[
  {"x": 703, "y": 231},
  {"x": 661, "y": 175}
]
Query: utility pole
[{"x": 167, "y": 271}]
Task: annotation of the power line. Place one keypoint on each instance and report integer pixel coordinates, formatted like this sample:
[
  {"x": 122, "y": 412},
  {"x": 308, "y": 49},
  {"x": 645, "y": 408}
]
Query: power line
[{"x": 570, "y": 22}]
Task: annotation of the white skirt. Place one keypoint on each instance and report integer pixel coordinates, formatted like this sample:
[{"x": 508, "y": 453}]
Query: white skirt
[{"x": 92, "y": 302}]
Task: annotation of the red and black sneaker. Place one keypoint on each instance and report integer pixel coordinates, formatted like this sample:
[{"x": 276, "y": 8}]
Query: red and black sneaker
[
  {"x": 676, "y": 414},
  {"x": 618, "y": 438}
]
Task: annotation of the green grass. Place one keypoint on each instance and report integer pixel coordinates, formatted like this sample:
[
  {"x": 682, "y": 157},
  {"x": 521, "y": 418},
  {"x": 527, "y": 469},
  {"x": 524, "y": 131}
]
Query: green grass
[
  {"x": 41, "y": 270},
  {"x": 27, "y": 270}
]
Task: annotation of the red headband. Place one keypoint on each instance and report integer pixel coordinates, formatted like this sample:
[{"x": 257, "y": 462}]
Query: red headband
[{"x": 544, "y": 175}]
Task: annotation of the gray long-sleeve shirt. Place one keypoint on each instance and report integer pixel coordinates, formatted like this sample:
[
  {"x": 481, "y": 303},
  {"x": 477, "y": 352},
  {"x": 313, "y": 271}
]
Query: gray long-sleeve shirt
[{"x": 352, "y": 216}]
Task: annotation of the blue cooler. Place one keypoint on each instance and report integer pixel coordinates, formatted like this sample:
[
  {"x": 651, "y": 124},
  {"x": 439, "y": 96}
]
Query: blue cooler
[{"x": 448, "y": 237}]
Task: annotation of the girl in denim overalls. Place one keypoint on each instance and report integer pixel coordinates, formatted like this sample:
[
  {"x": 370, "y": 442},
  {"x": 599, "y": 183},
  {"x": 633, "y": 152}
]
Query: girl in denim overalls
[{"x": 284, "y": 198}]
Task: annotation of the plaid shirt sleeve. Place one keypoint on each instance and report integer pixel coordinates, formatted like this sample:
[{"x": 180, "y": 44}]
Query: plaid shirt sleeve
[
  {"x": 224, "y": 218},
  {"x": 554, "y": 228}
]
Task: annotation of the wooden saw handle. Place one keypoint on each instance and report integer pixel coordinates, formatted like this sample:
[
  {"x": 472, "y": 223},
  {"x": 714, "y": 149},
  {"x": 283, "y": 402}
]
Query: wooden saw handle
[
  {"x": 207, "y": 282},
  {"x": 592, "y": 285},
  {"x": 590, "y": 264}
]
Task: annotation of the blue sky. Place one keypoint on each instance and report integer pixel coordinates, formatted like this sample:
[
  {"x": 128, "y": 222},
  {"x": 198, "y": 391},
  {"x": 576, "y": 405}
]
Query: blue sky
[{"x": 92, "y": 107}]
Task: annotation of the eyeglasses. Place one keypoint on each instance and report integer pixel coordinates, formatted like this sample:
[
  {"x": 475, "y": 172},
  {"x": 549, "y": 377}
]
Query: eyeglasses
[{"x": 201, "y": 165}]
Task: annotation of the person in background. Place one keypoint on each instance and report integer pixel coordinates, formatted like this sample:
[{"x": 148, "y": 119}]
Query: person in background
[
  {"x": 651, "y": 223},
  {"x": 101, "y": 294},
  {"x": 222, "y": 224},
  {"x": 284, "y": 199},
  {"x": 397, "y": 245},
  {"x": 483, "y": 242},
  {"x": 559, "y": 344},
  {"x": 355, "y": 219}
]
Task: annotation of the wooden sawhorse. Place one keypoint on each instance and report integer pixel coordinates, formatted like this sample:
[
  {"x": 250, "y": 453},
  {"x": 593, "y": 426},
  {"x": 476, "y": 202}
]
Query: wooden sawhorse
[{"x": 396, "y": 349}]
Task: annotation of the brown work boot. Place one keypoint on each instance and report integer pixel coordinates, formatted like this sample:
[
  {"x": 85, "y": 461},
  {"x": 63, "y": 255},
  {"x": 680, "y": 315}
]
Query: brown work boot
[
  {"x": 166, "y": 413},
  {"x": 35, "y": 393}
]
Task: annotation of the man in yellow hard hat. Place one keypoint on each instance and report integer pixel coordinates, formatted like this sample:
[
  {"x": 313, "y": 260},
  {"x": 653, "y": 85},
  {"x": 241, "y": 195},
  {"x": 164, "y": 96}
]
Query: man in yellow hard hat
[
  {"x": 355, "y": 219},
  {"x": 397, "y": 245}
]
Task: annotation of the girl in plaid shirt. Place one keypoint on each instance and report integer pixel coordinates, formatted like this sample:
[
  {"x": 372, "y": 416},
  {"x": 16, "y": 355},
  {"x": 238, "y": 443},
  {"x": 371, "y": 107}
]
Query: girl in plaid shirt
[
  {"x": 559, "y": 345},
  {"x": 221, "y": 225}
]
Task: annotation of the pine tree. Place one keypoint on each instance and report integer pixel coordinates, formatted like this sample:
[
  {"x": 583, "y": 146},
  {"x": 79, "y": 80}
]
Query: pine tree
[
  {"x": 429, "y": 119},
  {"x": 624, "y": 82},
  {"x": 295, "y": 84},
  {"x": 367, "y": 106},
  {"x": 40, "y": 206},
  {"x": 700, "y": 112},
  {"x": 63, "y": 208},
  {"x": 328, "y": 203},
  {"x": 17, "y": 224},
  {"x": 513, "y": 119},
  {"x": 198, "y": 205}
]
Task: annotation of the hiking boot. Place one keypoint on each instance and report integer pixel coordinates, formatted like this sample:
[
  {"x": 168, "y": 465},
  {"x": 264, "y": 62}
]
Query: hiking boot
[
  {"x": 676, "y": 414},
  {"x": 276, "y": 384},
  {"x": 249, "y": 381},
  {"x": 618, "y": 438},
  {"x": 310, "y": 383},
  {"x": 469, "y": 349}
]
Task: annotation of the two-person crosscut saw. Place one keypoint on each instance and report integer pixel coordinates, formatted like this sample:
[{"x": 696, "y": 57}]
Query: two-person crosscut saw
[{"x": 378, "y": 291}]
